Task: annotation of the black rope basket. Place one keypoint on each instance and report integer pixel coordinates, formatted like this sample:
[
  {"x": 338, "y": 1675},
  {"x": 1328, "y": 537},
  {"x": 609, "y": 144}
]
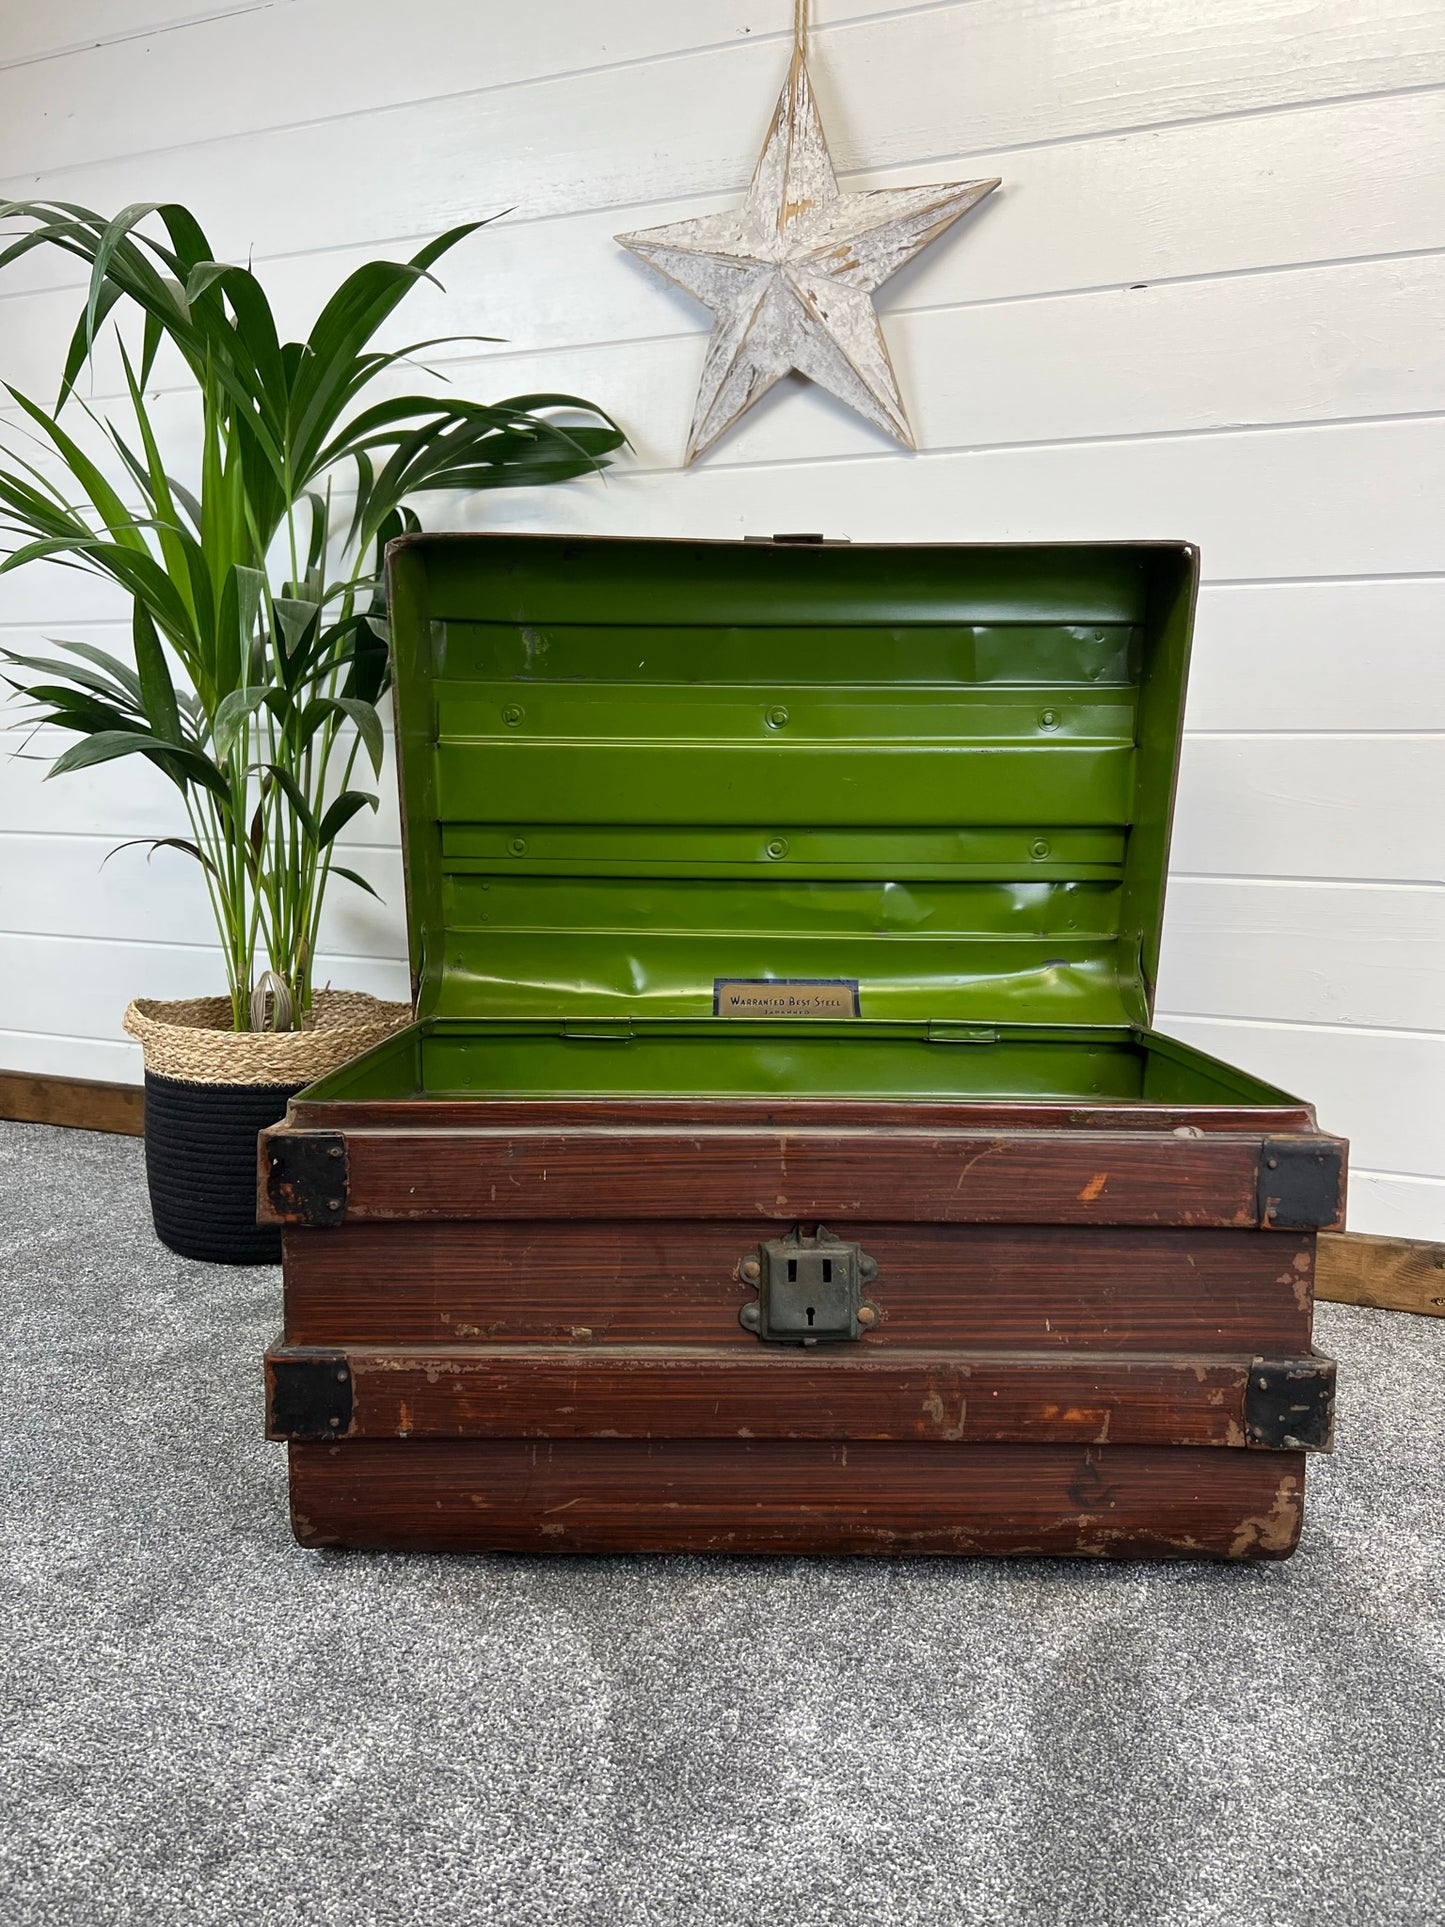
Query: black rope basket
[{"x": 201, "y": 1167}]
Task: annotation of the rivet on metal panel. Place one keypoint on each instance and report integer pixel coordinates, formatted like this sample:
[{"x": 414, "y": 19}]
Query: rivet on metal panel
[
  {"x": 778, "y": 847},
  {"x": 512, "y": 715},
  {"x": 777, "y": 717},
  {"x": 1049, "y": 720},
  {"x": 518, "y": 846},
  {"x": 1040, "y": 848}
]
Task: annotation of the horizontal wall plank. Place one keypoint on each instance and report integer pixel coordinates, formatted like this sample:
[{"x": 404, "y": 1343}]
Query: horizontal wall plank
[
  {"x": 1310, "y": 344},
  {"x": 1293, "y": 655},
  {"x": 62, "y": 27},
  {"x": 1305, "y": 953},
  {"x": 1397, "y": 1207},
  {"x": 1297, "y": 952},
  {"x": 1294, "y": 954},
  {"x": 1379, "y": 1089},
  {"x": 924, "y": 83},
  {"x": 1170, "y": 486},
  {"x": 80, "y": 986},
  {"x": 1315, "y": 806},
  {"x": 1320, "y": 521},
  {"x": 1281, "y": 656},
  {"x": 1350, "y": 179},
  {"x": 448, "y": 47},
  {"x": 49, "y": 1055},
  {"x": 61, "y": 886},
  {"x": 129, "y": 797}
]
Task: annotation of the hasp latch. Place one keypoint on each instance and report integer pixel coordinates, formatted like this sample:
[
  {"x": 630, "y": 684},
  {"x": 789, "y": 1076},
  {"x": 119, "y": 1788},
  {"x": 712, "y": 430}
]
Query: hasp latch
[{"x": 810, "y": 1289}]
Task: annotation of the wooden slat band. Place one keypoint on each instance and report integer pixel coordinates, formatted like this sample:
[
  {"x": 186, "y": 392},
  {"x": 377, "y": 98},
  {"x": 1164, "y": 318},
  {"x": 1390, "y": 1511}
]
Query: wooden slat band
[
  {"x": 1135, "y": 1288},
  {"x": 796, "y": 1496},
  {"x": 814, "y": 1173},
  {"x": 848, "y": 1392}
]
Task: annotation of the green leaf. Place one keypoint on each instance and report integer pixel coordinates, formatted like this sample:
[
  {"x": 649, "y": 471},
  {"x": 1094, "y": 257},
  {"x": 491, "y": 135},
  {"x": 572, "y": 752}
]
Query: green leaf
[
  {"x": 80, "y": 342},
  {"x": 158, "y": 692},
  {"x": 362, "y": 714},
  {"x": 78, "y": 709},
  {"x": 340, "y": 814},
  {"x": 106, "y": 686},
  {"x": 125, "y": 676},
  {"x": 201, "y": 277},
  {"x": 230, "y": 717},
  {"x": 186, "y": 767},
  {"x": 294, "y": 795},
  {"x": 115, "y": 233},
  {"x": 103, "y": 747},
  {"x": 108, "y": 505},
  {"x": 280, "y": 423},
  {"x": 340, "y": 870},
  {"x": 161, "y": 843}
]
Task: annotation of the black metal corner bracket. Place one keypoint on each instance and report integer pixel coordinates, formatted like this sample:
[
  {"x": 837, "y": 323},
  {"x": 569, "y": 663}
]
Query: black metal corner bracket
[
  {"x": 308, "y": 1395},
  {"x": 307, "y": 1176},
  {"x": 1289, "y": 1404},
  {"x": 1301, "y": 1183}
]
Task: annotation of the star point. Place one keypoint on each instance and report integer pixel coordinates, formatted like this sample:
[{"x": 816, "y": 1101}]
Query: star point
[{"x": 790, "y": 274}]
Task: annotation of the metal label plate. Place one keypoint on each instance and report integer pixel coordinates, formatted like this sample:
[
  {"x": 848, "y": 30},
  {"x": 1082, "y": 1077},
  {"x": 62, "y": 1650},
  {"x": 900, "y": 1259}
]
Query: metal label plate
[{"x": 785, "y": 997}]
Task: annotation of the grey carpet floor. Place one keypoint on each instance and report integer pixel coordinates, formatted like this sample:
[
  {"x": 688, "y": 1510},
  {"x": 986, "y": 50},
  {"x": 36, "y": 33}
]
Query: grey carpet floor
[{"x": 205, "y": 1724}]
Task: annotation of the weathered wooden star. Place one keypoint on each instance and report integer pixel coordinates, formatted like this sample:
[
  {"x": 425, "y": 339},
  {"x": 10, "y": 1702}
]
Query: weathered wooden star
[{"x": 790, "y": 274}]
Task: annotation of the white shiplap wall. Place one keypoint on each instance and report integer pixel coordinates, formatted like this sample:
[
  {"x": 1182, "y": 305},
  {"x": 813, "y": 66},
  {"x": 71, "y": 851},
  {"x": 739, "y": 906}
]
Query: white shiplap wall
[{"x": 1209, "y": 302}]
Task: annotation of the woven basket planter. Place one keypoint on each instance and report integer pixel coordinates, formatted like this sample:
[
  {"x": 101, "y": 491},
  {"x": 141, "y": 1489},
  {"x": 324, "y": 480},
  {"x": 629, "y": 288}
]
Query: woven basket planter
[{"x": 210, "y": 1089}]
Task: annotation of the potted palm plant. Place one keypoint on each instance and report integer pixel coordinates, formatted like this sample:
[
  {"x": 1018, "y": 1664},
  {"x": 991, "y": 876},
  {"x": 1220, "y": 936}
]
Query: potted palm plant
[{"x": 259, "y": 649}]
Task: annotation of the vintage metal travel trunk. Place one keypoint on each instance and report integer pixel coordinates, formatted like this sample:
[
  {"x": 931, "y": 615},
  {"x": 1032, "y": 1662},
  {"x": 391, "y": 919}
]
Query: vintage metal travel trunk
[{"x": 782, "y": 1159}]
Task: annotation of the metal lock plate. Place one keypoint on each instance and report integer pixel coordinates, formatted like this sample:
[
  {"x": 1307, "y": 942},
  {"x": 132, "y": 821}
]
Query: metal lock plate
[{"x": 810, "y": 1289}]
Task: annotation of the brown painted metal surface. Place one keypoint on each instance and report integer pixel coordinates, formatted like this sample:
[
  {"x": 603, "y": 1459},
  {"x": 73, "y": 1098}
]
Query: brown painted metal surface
[
  {"x": 797, "y": 1496},
  {"x": 811, "y": 1172},
  {"x": 843, "y": 1392},
  {"x": 615, "y": 1282}
]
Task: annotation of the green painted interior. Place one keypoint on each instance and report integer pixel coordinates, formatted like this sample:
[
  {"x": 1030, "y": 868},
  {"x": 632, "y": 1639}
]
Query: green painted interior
[
  {"x": 668, "y": 1057},
  {"x": 631, "y": 768}
]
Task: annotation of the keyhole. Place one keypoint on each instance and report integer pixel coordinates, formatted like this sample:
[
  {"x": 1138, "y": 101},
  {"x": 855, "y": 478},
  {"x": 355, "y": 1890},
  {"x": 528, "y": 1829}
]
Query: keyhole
[{"x": 810, "y": 1314}]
